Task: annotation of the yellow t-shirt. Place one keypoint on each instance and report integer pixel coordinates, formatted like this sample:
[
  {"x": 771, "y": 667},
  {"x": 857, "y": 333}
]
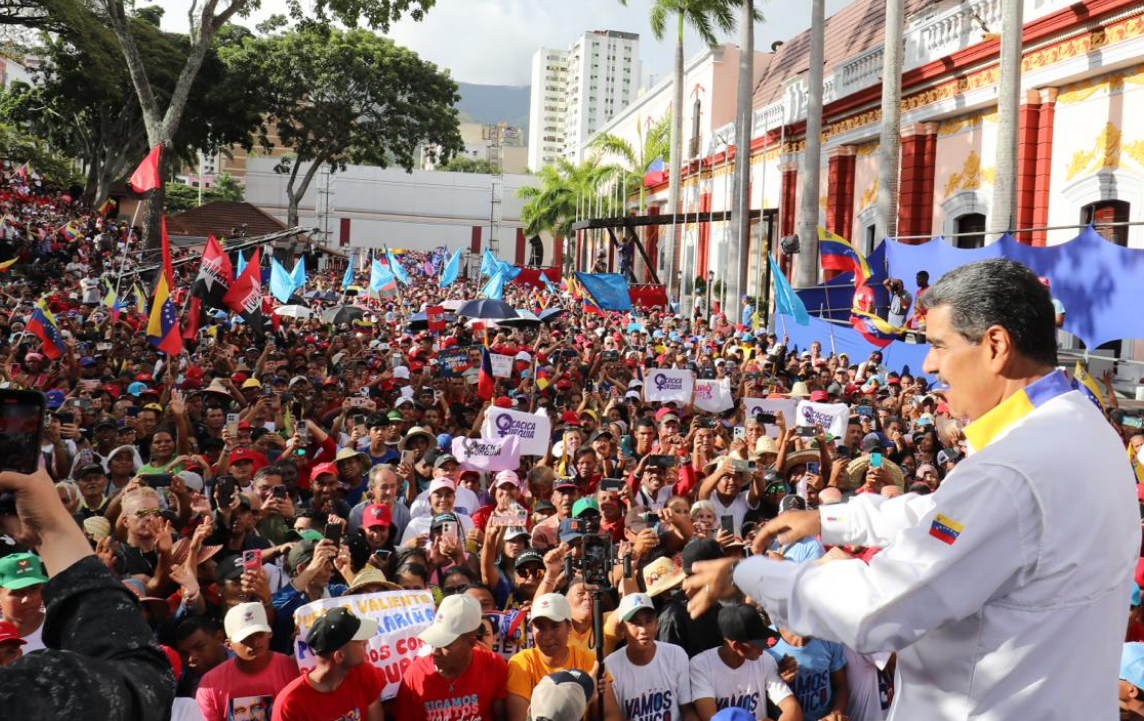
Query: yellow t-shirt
[
  {"x": 527, "y": 667},
  {"x": 587, "y": 641}
]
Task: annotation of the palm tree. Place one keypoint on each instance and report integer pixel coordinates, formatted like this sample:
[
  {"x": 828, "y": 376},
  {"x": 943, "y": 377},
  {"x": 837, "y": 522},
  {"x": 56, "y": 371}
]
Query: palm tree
[
  {"x": 740, "y": 242},
  {"x": 807, "y": 263},
  {"x": 654, "y": 145},
  {"x": 889, "y": 148},
  {"x": 1004, "y": 211},
  {"x": 554, "y": 203},
  {"x": 703, "y": 16}
]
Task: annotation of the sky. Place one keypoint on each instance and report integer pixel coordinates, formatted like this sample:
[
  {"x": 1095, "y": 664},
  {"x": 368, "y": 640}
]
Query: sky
[{"x": 491, "y": 42}]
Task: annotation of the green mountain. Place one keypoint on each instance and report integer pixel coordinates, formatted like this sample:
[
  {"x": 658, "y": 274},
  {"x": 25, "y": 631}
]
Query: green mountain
[{"x": 495, "y": 103}]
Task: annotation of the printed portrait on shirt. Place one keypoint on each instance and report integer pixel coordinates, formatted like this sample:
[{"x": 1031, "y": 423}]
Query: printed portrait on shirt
[{"x": 250, "y": 708}]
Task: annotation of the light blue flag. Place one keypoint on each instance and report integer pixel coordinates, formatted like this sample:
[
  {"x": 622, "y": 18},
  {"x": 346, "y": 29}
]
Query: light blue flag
[
  {"x": 396, "y": 268},
  {"x": 495, "y": 287},
  {"x": 380, "y": 278},
  {"x": 348, "y": 278},
  {"x": 787, "y": 301},
  {"x": 489, "y": 264},
  {"x": 452, "y": 269},
  {"x": 298, "y": 275},
  {"x": 548, "y": 284},
  {"x": 281, "y": 285},
  {"x": 608, "y": 290},
  {"x": 241, "y": 264}
]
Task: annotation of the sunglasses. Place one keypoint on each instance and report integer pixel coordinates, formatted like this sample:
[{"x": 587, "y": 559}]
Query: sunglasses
[
  {"x": 144, "y": 512},
  {"x": 530, "y": 572}
]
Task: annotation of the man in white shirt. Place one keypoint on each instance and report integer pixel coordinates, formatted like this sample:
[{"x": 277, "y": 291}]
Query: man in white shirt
[
  {"x": 441, "y": 496},
  {"x": 1007, "y": 570},
  {"x": 650, "y": 679},
  {"x": 739, "y": 673}
]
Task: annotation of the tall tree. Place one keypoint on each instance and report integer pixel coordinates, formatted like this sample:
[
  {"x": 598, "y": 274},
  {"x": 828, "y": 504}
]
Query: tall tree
[
  {"x": 704, "y": 16},
  {"x": 338, "y": 97},
  {"x": 1003, "y": 214},
  {"x": 806, "y": 266},
  {"x": 206, "y": 20},
  {"x": 889, "y": 147},
  {"x": 740, "y": 242}
]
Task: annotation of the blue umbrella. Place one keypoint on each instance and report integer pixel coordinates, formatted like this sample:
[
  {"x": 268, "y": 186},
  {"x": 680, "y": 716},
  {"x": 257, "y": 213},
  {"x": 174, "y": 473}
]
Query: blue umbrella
[{"x": 487, "y": 309}]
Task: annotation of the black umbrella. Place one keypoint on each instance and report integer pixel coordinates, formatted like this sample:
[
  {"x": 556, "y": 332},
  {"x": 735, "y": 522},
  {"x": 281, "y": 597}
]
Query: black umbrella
[
  {"x": 524, "y": 319},
  {"x": 487, "y": 309},
  {"x": 297, "y": 300},
  {"x": 343, "y": 314},
  {"x": 550, "y": 314}
]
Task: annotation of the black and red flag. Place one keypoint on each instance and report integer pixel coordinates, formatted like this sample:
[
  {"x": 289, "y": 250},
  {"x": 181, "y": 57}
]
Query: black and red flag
[
  {"x": 216, "y": 276},
  {"x": 245, "y": 296}
]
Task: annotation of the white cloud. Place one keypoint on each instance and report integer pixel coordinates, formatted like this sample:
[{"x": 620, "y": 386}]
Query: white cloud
[{"x": 492, "y": 41}]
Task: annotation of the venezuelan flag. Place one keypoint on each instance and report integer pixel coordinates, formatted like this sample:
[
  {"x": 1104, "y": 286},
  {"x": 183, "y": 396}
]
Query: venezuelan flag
[
  {"x": 875, "y": 330},
  {"x": 591, "y": 307},
  {"x": 838, "y": 254},
  {"x": 7, "y": 264},
  {"x": 140, "y": 300},
  {"x": 24, "y": 172},
  {"x": 1084, "y": 383},
  {"x": 70, "y": 231},
  {"x": 42, "y": 324},
  {"x": 163, "y": 326}
]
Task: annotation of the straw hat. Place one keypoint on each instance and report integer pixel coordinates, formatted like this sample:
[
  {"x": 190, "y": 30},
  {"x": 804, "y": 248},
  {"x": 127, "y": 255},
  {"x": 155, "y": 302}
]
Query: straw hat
[
  {"x": 799, "y": 390},
  {"x": 765, "y": 444},
  {"x": 182, "y": 549},
  {"x": 856, "y": 472},
  {"x": 370, "y": 576},
  {"x": 806, "y": 455},
  {"x": 661, "y": 575}
]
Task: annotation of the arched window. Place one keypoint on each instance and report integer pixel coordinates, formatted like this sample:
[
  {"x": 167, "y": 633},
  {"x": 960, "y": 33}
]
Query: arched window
[
  {"x": 1102, "y": 216},
  {"x": 972, "y": 224}
]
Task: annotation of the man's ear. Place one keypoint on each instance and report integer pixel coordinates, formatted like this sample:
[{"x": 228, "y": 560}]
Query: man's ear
[{"x": 998, "y": 344}]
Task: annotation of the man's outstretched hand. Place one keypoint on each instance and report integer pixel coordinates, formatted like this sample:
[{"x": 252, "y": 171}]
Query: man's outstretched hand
[
  {"x": 787, "y": 528},
  {"x": 710, "y": 582}
]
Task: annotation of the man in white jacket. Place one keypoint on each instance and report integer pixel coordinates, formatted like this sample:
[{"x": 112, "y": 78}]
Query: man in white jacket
[{"x": 1004, "y": 593}]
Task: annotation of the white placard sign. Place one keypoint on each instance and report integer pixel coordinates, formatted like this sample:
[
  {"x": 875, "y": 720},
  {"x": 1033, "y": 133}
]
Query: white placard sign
[
  {"x": 534, "y": 431},
  {"x": 713, "y": 396},
  {"x": 663, "y": 385},
  {"x": 833, "y": 417},
  {"x": 785, "y": 406}
]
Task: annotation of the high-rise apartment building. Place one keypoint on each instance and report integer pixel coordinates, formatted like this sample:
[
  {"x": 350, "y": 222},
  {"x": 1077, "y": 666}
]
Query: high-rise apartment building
[{"x": 575, "y": 92}]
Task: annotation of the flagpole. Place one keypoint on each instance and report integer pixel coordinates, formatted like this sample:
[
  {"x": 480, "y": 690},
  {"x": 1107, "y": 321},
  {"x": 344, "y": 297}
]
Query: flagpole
[{"x": 126, "y": 245}]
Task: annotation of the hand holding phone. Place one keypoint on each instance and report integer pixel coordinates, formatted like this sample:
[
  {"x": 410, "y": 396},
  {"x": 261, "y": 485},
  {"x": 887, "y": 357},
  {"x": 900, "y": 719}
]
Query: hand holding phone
[
  {"x": 252, "y": 560},
  {"x": 21, "y": 429}
]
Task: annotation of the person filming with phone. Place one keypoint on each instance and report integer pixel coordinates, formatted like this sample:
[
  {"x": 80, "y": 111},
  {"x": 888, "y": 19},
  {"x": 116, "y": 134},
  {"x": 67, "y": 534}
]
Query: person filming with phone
[{"x": 1002, "y": 573}]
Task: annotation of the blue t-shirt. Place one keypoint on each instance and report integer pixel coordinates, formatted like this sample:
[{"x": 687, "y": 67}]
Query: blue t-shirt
[
  {"x": 807, "y": 549},
  {"x": 816, "y": 661}
]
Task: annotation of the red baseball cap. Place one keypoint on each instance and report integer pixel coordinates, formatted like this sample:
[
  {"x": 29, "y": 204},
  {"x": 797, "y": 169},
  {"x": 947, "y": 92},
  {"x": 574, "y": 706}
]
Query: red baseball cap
[
  {"x": 323, "y": 468},
  {"x": 376, "y": 514},
  {"x": 818, "y": 396},
  {"x": 9, "y": 633},
  {"x": 246, "y": 454},
  {"x": 570, "y": 418},
  {"x": 111, "y": 389},
  {"x": 503, "y": 402}
]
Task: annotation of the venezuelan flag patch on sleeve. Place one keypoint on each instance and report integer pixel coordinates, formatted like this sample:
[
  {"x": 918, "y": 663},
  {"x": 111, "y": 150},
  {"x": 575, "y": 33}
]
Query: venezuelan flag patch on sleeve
[{"x": 945, "y": 529}]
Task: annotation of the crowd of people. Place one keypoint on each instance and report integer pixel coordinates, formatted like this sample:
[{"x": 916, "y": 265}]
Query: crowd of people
[{"x": 231, "y": 486}]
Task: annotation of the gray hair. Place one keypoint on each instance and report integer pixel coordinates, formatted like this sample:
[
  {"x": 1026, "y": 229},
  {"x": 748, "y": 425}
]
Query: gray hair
[
  {"x": 376, "y": 472},
  {"x": 1002, "y": 293}
]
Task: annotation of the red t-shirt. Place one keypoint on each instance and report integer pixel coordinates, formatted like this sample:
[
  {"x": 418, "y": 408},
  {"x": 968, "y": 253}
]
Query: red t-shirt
[
  {"x": 425, "y": 695},
  {"x": 226, "y": 693},
  {"x": 302, "y": 702}
]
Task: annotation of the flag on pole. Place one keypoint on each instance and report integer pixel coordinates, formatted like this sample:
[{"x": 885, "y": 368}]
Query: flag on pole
[
  {"x": 452, "y": 270},
  {"x": 838, "y": 254},
  {"x": 1084, "y": 383},
  {"x": 298, "y": 275},
  {"x": 495, "y": 287},
  {"x": 380, "y": 279},
  {"x": 281, "y": 284},
  {"x": 146, "y": 176},
  {"x": 163, "y": 326},
  {"x": 875, "y": 330},
  {"x": 245, "y": 296},
  {"x": 348, "y": 278},
  {"x": 486, "y": 384},
  {"x": 42, "y": 324},
  {"x": 168, "y": 269},
  {"x": 24, "y": 172},
  {"x": 140, "y": 299},
  {"x": 70, "y": 231},
  {"x": 786, "y": 300},
  {"x": 607, "y": 291},
  {"x": 396, "y": 268}
]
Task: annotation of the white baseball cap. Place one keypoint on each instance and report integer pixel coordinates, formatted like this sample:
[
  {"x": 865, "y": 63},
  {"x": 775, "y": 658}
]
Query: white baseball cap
[
  {"x": 401, "y": 372},
  {"x": 632, "y": 604},
  {"x": 552, "y": 606},
  {"x": 562, "y": 696},
  {"x": 244, "y": 620},
  {"x": 458, "y": 615}
]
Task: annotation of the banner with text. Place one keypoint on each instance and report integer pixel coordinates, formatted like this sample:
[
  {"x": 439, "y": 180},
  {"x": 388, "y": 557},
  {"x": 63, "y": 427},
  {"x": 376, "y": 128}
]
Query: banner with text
[
  {"x": 713, "y": 396},
  {"x": 502, "y": 365},
  {"x": 663, "y": 385},
  {"x": 400, "y": 616},
  {"x": 833, "y": 417},
  {"x": 454, "y": 361},
  {"x": 488, "y": 454},
  {"x": 532, "y": 431},
  {"x": 772, "y": 406}
]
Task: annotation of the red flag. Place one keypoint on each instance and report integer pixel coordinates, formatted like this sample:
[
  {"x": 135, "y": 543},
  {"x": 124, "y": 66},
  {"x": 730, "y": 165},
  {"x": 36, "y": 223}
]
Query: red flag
[
  {"x": 146, "y": 176},
  {"x": 168, "y": 269},
  {"x": 245, "y": 296},
  {"x": 191, "y": 317},
  {"x": 435, "y": 314}
]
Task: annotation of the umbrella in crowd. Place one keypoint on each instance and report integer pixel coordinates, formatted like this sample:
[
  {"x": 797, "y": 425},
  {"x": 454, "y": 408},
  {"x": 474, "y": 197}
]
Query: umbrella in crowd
[
  {"x": 420, "y": 321},
  {"x": 300, "y": 312},
  {"x": 550, "y": 314},
  {"x": 487, "y": 308},
  {"x": 342, "y": 314},
  {"x": 524, "y": 319}
]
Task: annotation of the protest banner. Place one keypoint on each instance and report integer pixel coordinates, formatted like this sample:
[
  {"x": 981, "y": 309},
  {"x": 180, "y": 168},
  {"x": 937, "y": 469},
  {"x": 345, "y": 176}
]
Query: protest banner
[
  {"x": 713, "y": 396},
  {"x": 664, "y": 385},
  {"x": 833, "y": 417},
  {"x": 502, "y": 365},
  {"x": 435, "y": 314},
  {"x": 786, "y": 406},
  {"x": 532, "y": 431},
  {"x": 488, "y": 454},
  {"x": 454, "y": 361},
  {"x": 400, "y": 616}
]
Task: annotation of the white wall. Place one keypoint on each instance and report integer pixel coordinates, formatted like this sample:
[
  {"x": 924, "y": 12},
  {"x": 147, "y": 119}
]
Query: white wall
[{"x": 420, "y": 210}]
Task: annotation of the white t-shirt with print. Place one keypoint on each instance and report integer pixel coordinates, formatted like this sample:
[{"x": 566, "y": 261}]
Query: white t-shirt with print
[
  {"x": 741, "y": 687},
  {"x": 862, "y": 679},
  {"x": 655, "y": 691},
  {"x": 737, "y": 510}
]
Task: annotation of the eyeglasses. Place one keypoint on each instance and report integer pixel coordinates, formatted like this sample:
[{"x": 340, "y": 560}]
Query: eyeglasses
[
  {"x": 530, "y": 572},
  {"x": 144, "y": 512}
]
